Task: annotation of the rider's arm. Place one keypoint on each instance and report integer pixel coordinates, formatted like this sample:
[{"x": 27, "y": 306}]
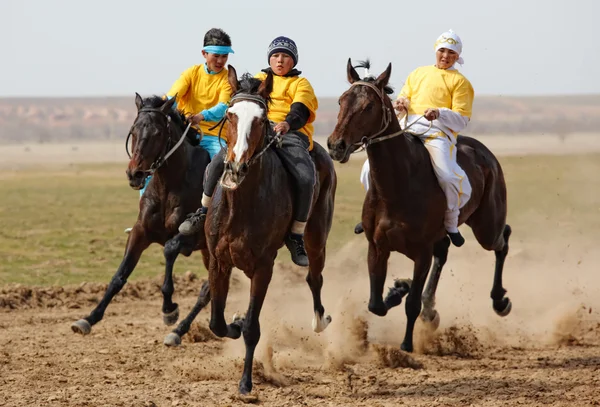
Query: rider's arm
[
  {"x": 182, "y": 84},
  {"x": 298, "y": 116},
  {"x": 458, "y": 117},
  {"x": 303, "y": 107},
  {"x": 216, "y": 113}
]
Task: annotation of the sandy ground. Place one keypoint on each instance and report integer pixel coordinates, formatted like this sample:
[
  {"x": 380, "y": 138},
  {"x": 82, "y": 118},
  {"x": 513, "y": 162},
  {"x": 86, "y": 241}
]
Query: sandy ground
[
  {"x": 25, "y": 155},
  {"x": 546, "y": 352}
]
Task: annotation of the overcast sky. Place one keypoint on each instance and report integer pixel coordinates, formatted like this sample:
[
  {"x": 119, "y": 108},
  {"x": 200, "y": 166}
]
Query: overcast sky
[{"x": 110, "y": 47}]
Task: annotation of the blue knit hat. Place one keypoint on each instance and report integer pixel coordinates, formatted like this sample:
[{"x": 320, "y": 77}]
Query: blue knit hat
[{"x": 285, "y": 45}]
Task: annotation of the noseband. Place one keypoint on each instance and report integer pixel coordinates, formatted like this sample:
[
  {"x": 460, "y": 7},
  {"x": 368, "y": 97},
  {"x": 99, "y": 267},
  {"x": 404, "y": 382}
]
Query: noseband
[{"x": 161, "y": 159}]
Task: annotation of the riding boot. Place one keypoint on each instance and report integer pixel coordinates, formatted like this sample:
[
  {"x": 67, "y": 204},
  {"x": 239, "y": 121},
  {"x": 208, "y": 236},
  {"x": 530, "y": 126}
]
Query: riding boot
[
  {"x": 456, "y": 238},
  {"x": 194, "y": 222},
  {"x": 295, "y": 244}
]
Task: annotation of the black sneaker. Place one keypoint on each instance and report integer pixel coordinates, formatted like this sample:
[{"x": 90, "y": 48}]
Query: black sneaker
[
  {"x": 358, "y": 229},
  {"x": 194, "y": 222},
  {"x": 456, "y": 239},
  {"x": 295, "y": 244}
]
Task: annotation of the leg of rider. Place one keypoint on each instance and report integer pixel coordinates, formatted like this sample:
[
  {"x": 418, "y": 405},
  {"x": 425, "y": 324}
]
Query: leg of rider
[
  {"x": 214, "y": 170},
  {"x": 452, "y": 179},
  {"x": 297, "y": 160},
  {"x": 365, "y": 181}
]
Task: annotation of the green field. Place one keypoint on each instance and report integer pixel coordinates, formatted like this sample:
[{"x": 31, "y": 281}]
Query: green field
[{"x": 62, "y": 226}]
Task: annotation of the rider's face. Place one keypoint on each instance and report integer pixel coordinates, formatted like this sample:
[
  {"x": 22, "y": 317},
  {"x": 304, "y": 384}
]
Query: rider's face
[
  {"x": 281, "y": 63},
  {"x": 215, "y": 62},
  {"x": 445, "y": 58}
]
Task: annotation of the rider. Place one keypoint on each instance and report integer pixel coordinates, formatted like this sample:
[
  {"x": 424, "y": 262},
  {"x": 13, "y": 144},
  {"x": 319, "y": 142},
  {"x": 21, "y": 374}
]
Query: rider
[
  {"x": 203, "y": 92},
  {"x": 292, "y": 112},
  {"x": 444, "y": 97}
]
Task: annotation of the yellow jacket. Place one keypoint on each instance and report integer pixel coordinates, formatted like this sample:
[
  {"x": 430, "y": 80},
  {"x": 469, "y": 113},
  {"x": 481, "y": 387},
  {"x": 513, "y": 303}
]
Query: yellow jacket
[
  {"x": 431, "y": 87},
  {"x": 288, "y": 90},
  {"x": 197, "y": 91}
]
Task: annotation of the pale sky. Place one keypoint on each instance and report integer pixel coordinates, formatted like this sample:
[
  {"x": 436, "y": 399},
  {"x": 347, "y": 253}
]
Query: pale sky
[{"x": 110, "y": 47}]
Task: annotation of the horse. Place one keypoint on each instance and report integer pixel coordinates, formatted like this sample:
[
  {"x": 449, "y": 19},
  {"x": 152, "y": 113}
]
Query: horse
[
  {"x": 159, "y": 149},
  {"x": 404, "y": 208},
  {"x": 251, "y": 213}
]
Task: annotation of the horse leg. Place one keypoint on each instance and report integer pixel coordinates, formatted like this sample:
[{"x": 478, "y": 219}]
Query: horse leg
[
  {"x": 137, "y": 242},
  {"x": 502, "y": 305},
  {"x": 174, "y": 338},
  {"x": 440, "y": 255},
  {"x": 377, "y": 261},
  {"x": 413, "y": 301},
  {"x": 219, "y": 276},
  {"x": 251, "y": 325},
  {"x": 173, "y": 248},
  {"x": 314, "y": 278}
]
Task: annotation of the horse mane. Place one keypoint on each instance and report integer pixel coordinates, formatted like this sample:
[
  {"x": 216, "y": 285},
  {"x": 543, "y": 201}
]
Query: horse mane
[
  {"x": 176, "y": 115},
  {"x": 366, "y": 64},
  {"x": 249, "y": 85}
]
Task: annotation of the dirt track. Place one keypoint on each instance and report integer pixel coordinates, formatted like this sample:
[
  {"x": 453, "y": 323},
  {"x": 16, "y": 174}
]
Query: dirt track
[{"x": 546, "y": 352}]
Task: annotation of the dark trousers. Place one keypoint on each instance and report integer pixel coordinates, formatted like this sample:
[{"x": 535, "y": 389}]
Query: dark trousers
[{"x": 296, "y": 159}]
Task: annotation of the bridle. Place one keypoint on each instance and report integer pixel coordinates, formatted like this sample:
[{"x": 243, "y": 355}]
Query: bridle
[
  {"x": 366, "y": 141},
  {"x": 162, "y": 158}
]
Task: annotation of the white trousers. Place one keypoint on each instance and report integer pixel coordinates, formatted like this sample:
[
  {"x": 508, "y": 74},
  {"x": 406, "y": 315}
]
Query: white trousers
[{"x": 452, "y": 178}]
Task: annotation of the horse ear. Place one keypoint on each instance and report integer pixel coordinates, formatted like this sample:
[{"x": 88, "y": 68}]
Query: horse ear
[
  {"x": 138, "y": 101},
  {"x": 384, "y": 78},
  {"x": 266, "y": 87},
  {"x": 168, "y": 105},
  {"x": 233, "y": 80},
  {"x": 352, "y": 74}
]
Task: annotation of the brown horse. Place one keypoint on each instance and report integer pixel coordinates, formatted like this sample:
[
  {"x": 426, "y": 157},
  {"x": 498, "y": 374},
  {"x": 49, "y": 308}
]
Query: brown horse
[
  {"x": 174, "y": 191},
  {"x": 251, "y": 213},
  {"x": 404, "y": 207}
]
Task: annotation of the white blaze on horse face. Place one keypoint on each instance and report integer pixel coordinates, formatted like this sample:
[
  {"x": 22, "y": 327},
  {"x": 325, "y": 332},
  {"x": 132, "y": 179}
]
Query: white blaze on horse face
[{"x": 246, "y": 112}]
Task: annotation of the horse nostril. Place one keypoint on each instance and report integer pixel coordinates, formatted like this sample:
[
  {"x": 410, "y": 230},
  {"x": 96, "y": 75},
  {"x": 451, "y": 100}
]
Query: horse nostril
[
  {"x": 138, "y": 175},
  {"x": 243, "y": 168},
  {"x": 341, "y": 146}
]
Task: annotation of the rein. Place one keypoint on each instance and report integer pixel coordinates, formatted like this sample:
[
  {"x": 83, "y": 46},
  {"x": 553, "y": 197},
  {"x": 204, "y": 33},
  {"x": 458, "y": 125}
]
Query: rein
[
  {"x": 366, "y": 141},
  {"x": 161, "y": 159}
]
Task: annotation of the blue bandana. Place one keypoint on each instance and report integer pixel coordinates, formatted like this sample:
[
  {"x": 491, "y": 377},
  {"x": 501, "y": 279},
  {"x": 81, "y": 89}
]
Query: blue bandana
[{"x": 218, "y": 49}]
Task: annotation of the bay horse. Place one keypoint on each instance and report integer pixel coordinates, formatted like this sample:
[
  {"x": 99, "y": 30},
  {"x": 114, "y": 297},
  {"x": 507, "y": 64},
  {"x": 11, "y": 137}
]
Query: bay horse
[
  {"x": 251, "y": 213},
  {"x": 174, "y": 191},
  {"x": 404, "y": 207}
]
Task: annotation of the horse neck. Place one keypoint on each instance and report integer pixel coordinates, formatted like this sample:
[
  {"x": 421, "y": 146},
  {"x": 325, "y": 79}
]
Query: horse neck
[
  {"x": 389, "y": 159},
  {"x": 172, "y": 172}
]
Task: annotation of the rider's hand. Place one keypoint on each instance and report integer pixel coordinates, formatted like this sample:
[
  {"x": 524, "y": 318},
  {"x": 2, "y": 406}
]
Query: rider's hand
[
  {"x": 431, "y": 114},
  {"x": 282, "y": 128},
  {"x": 195, "y": 119},
  {"x": 401, "y": 105}
]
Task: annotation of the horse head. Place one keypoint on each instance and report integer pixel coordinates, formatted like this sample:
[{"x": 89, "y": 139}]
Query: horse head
[
  {"x": 249, "y": 126},
  {"x": 365, "y": 111},
  {"x": 154, "y": 130}
]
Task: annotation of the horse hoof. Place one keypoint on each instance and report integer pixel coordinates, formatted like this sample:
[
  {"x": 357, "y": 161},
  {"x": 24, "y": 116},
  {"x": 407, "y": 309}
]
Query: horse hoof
[
  {"x": 172, "y": 339},
  {"x": 432, "y": 318},
  {"x": 320, "y": 323},
  {"x": 406, "y": 347},
  {"x": 171, "y": 317},
  {"x": 403, "y": 284},
  {"x": 81, "y": 327},
  {"x": 507, "y": 308}
]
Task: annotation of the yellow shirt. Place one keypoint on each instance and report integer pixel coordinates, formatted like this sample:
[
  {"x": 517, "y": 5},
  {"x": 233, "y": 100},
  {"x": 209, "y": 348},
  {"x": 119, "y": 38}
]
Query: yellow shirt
[
  {"x": 431, "y": 87},
  {"x": 288, "y": 90},
  {"x": 198, "y": 90}
]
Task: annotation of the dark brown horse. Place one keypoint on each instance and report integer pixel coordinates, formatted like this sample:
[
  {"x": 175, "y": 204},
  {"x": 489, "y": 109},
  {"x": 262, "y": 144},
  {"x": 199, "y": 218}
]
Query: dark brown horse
[
  {"x": 174, "y": 191},
  {"x": 404, "y": 208},
  {"x": 251, "y": 213}
]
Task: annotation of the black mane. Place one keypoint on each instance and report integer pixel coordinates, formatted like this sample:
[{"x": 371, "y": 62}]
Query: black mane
[
  {"x": 176, "y": 115},
  {"x": 367, "y": 64},
  {"x": 249, "y": 85}
]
